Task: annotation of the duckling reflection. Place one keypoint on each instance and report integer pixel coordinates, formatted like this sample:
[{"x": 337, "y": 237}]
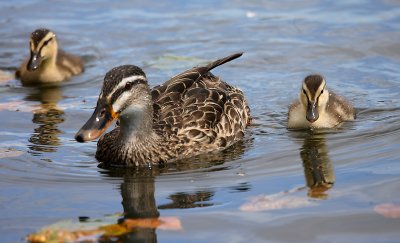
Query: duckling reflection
[
  {"x": 318, "y": 169},
  {"x": 47, "y": 116}
]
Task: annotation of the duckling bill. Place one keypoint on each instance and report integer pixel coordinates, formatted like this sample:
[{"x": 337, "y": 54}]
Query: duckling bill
[
  {"x": 194, "y": 112},
  {"x": 47, "y": 63},
  {"x": 317, "y": 107}
]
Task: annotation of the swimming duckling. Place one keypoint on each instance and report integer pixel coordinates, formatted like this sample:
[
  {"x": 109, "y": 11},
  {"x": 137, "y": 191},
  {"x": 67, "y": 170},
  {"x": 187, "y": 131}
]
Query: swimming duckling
[
  {"x": 47, "y": 63},
  {"x": 194, "y": 112},
  {"x": 317, "y": 107}
]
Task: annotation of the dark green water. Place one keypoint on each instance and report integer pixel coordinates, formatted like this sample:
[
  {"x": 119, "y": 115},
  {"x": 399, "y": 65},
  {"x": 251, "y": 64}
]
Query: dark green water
[{"x": 46, "y": 177}]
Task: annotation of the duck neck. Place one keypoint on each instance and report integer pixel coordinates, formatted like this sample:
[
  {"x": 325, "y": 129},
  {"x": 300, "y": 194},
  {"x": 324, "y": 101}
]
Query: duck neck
[{"x": 136, "y": 125}]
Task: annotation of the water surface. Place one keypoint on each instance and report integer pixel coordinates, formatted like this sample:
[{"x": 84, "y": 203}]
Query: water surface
[{"x": 46, "y": 177}]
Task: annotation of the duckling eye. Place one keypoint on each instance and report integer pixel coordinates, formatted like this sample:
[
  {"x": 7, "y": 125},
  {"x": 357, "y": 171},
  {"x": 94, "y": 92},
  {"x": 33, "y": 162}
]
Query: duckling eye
[
  {"x": 322, "y": 91},
  {"x": 47, "y": 42},
  {"x": 128, "y": 86},
  {"x": 304, "y": 91}
]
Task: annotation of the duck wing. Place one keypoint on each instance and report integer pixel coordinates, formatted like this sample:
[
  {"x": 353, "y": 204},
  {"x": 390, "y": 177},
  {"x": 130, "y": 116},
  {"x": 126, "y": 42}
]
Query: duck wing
[{"x": 196, "y": 106}]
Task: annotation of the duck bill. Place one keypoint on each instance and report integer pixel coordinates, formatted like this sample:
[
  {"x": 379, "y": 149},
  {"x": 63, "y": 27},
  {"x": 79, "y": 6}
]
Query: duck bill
[
  {"x": 312, "y": 112},
  {"x": 34, "y": 61},
  {"x": 100, "y": 120}
]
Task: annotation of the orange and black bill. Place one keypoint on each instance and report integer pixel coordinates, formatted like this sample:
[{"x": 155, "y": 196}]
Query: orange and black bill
[{"x": 100, "y": 120}]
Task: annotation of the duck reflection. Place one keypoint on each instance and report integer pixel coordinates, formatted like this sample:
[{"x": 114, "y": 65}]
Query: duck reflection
[
  {"x": 138, "y": 201},
  {"x": 189, "y": 200},
  {"x": 138, "y": 191},
  {"x": 318, "y": 169},
  {"x": 47, "y": 117}
]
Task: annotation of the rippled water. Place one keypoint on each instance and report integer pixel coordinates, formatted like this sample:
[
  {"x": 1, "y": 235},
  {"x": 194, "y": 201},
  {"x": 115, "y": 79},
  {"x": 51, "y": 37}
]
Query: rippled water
[{"x": 325, "y": 184}]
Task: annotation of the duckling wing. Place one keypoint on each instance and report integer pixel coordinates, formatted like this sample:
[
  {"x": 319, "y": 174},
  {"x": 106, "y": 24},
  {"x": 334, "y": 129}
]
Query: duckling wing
[
  {"x": 69, "y": 64},
  {"x": 340, "y": 108}
]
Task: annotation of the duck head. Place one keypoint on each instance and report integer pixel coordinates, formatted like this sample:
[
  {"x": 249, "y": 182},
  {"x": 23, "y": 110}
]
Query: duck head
[
  {"x": 43, "y": 46},
  {"x": 125, "y": 92},
  {"x": 314, "y": 96}
]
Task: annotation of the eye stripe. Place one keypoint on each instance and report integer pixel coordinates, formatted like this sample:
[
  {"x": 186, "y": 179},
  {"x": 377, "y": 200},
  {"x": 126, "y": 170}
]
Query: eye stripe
[
  {"x": 116, "y": 94},
  {"x": 47, "y": 42},
  {"x": 121, "y": 100},
  {"x": 124, "y": 81}
]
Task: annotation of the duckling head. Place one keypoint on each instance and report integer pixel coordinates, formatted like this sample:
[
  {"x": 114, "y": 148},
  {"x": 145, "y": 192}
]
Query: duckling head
[
  {"x": 124, "y": 95},
  {"x": 43, "y": 45},
  {"x": 314, "y": 96}
]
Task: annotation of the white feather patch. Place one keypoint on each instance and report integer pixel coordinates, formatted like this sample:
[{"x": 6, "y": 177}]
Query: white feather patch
[
  {"x": 124, "y": 81},
  {"x": 120, "y": 101}
]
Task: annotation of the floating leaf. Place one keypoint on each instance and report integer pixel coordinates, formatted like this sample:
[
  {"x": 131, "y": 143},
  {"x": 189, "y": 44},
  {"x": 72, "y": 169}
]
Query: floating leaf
[
  {"x": 388, "y": 210},
  {"x": 17, "y": 105},
  {"x": 59, "y": 232},
  {"x": 276, "y": 201},
  {"x": 9, "y": 152}
]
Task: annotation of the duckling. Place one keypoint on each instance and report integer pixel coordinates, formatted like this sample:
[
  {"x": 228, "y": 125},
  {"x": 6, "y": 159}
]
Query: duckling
[
  {"x": 47, "y": 63},
  {"x": 193, "y": 113},
  {"x": 317, "y": 107}
]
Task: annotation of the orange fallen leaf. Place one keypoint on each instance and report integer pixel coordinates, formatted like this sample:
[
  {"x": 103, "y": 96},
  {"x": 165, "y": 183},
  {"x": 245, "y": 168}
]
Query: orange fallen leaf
[
  {"x": 170, "y": 223},
  {"x": 165, "y": 223},
  {"x": 388, "y": 210},
  {"x": 105, "y": 231}
]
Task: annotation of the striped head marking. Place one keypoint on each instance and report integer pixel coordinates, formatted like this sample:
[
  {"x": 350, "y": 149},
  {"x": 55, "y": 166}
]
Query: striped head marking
[
  {"x": 123, "y": 87},
  {"x": 314, "y": 96},
  {"x": 42, "y": 46}
]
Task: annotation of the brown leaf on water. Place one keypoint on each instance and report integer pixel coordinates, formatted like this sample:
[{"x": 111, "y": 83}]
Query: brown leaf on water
[
  {"x": 9, "y": 152},
  {"x": 165, "y": 223},
  {"x": 58, "y": 235},
  {"x": 170, "y": 223},
  {"x": 275, "y": 201},
  {"x": 388, "y": 210},
  {"x": 17, "y": 105},
  {"x": 106, "y": 231}
]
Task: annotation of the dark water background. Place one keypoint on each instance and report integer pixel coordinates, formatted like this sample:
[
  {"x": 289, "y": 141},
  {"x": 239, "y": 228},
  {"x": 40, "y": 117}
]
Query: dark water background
[{"x": 45, "y": 176}]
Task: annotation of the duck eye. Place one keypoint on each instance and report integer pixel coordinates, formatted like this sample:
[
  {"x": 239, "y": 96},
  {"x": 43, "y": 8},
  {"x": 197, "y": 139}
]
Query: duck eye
[
  {"x": 128, "y": 86},
  {"x": 322, "y": 91},
  {"x": 304, "y": 91},
  {"x": 47, "y": 42},
  {"x": 102, "y": 112}
]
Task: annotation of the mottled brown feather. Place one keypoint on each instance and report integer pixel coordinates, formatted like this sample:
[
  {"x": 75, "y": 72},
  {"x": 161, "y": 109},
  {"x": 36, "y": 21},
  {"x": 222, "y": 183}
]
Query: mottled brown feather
[{"x": 194, "y": 112}]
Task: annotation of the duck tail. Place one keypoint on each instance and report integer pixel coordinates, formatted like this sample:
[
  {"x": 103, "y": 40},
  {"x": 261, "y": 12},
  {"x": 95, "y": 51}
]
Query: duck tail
[{"x": 224, "y": 60}]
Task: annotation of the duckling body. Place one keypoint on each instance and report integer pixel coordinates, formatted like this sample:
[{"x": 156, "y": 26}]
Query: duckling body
[
  {"x": 317, "y": 107},
  {"x": 47, "y": 63},
  {"x": 192, "y": 113}
]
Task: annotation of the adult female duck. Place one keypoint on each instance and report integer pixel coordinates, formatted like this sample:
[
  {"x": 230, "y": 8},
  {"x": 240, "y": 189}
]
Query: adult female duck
[{"x": 192, "y": 113}]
